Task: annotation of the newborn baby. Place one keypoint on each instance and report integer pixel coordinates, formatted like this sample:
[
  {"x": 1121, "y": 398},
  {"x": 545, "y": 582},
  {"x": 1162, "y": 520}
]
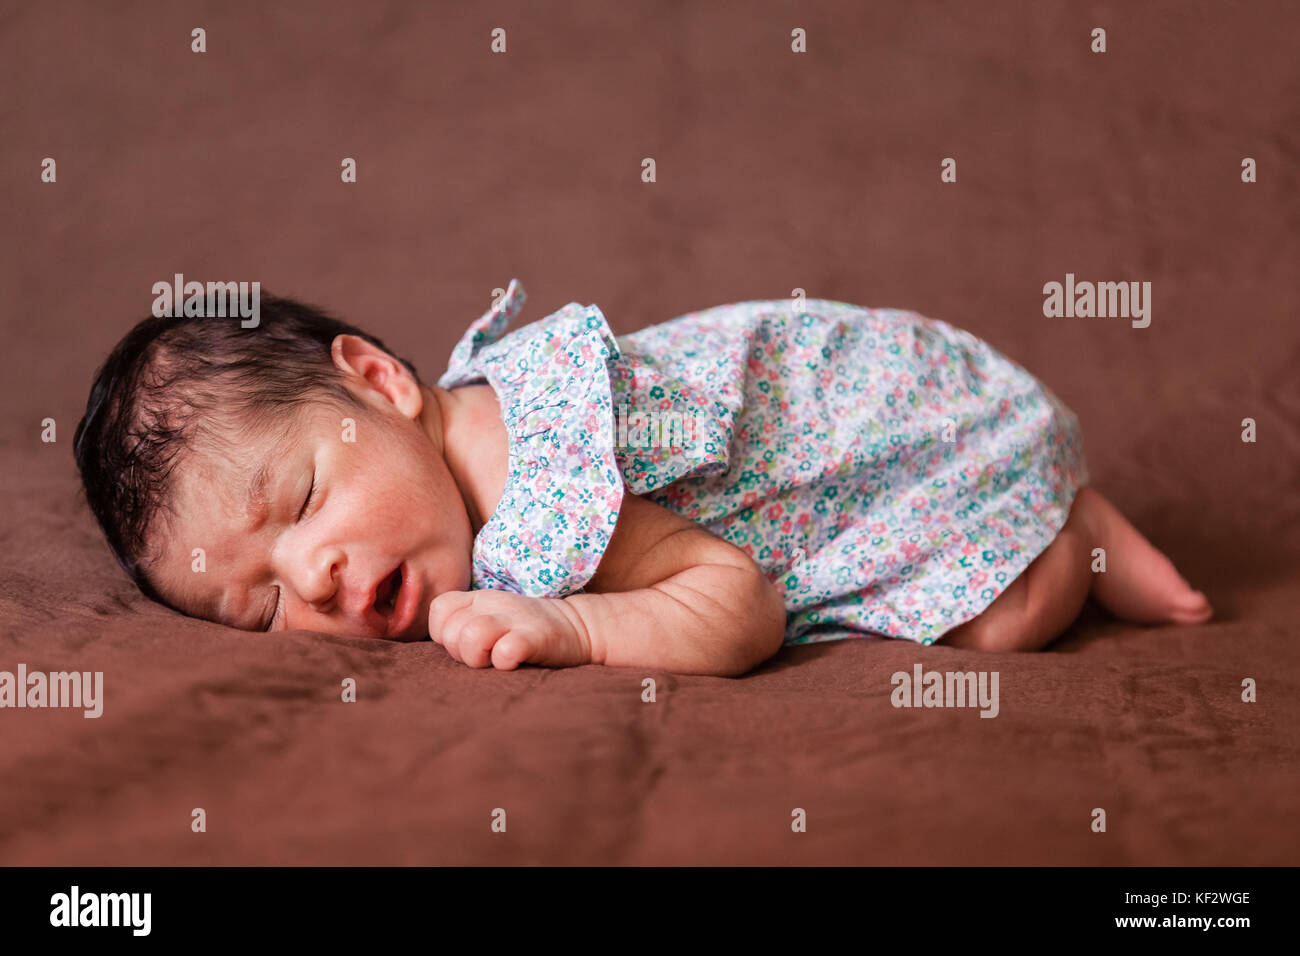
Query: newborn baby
[{"x": 688, "y": 497}]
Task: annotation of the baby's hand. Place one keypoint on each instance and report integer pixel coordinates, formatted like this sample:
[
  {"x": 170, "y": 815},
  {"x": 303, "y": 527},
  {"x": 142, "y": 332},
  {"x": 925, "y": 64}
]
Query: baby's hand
[{"x": 504, "y": 630}]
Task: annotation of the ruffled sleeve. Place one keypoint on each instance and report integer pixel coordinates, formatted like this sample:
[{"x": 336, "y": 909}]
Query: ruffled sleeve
[
  {"x": 563, "y": 488},
  {"x": 485, "y": 330}
]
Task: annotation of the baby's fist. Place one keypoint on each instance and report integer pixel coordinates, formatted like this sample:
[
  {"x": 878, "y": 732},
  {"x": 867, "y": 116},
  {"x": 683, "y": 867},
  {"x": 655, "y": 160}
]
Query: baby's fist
[{"x": 503, "y": 630}]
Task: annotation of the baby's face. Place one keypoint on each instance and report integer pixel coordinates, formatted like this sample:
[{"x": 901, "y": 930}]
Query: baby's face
[{"x": 385, "y": 530}]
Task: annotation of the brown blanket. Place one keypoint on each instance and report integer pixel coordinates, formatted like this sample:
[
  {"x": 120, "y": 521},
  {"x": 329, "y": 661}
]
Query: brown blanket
[{"x": 774, "y": 170}]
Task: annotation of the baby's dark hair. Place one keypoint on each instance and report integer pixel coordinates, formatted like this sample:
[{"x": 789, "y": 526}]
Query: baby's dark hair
[{"x": 171, "y": 382}]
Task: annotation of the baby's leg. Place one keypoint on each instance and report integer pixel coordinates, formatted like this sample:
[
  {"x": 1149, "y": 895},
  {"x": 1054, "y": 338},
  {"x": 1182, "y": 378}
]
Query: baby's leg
[
  {"x": 1042, "y": 602},
  {"x": 1139, "y": 584}
]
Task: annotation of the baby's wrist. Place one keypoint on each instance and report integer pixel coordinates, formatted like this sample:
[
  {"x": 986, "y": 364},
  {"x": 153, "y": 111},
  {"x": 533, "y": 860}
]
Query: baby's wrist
[{"x": 581, "y": 634}]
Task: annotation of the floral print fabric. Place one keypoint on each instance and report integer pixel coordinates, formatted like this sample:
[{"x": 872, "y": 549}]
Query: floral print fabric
[{"x": 891, "y": 474}]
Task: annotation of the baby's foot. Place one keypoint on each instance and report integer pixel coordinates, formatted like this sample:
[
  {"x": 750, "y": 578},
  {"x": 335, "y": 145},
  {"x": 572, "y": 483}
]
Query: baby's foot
[{"x": 1139, "y": 584}]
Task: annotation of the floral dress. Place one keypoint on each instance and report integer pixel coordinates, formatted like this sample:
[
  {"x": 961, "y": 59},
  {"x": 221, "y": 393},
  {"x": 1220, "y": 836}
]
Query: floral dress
[{"x": 891, "y": 474}]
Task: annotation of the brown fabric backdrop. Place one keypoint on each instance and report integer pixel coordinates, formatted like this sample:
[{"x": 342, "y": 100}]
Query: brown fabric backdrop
[{"x": 775, "y": 170}]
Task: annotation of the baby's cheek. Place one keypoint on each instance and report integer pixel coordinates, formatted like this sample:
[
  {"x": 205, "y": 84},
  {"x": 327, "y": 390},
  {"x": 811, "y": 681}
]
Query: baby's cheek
[
  {"x": 465, "y": 575},
  {"x": 453, "y": 570}
]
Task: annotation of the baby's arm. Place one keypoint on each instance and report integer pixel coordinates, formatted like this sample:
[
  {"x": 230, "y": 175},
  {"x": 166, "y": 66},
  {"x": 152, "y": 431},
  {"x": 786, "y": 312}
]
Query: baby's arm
[
  {"x": 670, "y": 594},
  {"x": 667, "y": 594}
]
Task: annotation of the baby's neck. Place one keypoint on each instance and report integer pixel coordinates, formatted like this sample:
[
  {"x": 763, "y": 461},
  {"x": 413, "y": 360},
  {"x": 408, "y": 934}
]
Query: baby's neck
[{"x": 465, "y": 428}]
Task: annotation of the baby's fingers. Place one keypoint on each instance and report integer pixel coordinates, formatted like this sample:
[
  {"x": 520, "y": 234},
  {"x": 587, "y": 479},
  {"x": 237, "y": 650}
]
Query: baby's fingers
[
  {"x": 476, "y": 637},
  {"x": 511, "y": 650},
  {"x": 443, "y": 608}
]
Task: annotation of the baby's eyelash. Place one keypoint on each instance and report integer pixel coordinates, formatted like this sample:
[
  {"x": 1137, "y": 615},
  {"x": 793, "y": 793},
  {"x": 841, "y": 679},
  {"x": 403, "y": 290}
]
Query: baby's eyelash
[
  {"x": 310, "y": 495},
  {"x": 275, "y": 612}
]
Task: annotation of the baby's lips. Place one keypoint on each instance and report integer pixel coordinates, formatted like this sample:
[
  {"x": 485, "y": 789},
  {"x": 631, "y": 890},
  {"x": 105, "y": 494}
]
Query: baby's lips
[{"x": 381, "y": 594}]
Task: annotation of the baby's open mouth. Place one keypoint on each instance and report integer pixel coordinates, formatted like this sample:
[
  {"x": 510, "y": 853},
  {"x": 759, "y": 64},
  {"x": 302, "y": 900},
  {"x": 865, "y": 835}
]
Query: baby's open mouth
[{"x": 386, "y": 595}]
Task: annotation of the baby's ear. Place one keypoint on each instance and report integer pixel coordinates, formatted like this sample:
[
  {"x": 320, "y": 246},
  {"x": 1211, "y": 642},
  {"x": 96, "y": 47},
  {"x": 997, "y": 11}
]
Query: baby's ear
[{"x": 376, "y": 374}]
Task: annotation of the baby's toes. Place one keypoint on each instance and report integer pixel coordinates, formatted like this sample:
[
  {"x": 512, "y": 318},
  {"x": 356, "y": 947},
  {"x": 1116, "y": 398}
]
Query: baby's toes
[{"x": 1191, "y": 607}]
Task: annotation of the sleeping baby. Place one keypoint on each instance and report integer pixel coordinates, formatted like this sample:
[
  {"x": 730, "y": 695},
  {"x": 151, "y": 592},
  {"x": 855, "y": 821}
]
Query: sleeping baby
[{"x": 830, "y": 471}]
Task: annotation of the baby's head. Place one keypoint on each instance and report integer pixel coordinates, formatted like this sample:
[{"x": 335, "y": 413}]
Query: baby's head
[{"x": 203, "y": 441}]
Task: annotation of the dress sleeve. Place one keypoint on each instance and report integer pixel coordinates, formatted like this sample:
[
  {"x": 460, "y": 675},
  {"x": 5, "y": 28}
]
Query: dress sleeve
[
  {"x": 563, "y": 489},
  {"x": 487, "y": 328}
]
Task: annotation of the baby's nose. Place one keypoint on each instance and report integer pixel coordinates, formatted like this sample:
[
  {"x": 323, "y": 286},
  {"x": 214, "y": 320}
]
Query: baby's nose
[{"x": 324, "y": 584}]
